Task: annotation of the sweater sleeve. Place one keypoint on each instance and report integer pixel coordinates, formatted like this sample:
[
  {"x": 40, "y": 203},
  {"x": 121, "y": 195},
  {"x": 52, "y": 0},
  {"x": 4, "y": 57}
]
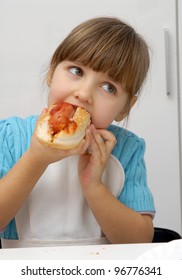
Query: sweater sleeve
[
  {"x": 6, "y": 148},
  {"x": 6, "y": 162},
  {"x": 130, "y": 151},
  {"x": 15, "y": 135}
]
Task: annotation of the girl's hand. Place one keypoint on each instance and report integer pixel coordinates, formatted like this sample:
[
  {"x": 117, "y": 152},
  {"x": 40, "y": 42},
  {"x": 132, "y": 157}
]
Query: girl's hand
[{"x": 93, "y": 163}]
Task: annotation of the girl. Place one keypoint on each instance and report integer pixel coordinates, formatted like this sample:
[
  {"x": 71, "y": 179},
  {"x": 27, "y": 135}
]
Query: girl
[{"x": 96, "y": 193}]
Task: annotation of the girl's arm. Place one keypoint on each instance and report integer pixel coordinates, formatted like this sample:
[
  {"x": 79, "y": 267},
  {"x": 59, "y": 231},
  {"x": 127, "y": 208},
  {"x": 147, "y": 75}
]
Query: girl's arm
[
  {"x": 17, "y": 184},
  {"x": 119, "y": 223}
]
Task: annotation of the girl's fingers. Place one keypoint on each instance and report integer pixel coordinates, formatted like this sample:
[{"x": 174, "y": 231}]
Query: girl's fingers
[
  {"x": 84, "y": 144},
  {"x": 105, "y": 140},
  {"x": 98, "y": 143},
  {"x": 110, "y": 140}
]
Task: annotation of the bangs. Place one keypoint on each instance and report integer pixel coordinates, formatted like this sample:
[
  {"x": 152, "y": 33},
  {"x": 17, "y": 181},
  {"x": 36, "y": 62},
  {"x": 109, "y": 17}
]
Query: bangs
[
  {"x": 104, "y": 57},
  {"x": 114, "y": 49}
]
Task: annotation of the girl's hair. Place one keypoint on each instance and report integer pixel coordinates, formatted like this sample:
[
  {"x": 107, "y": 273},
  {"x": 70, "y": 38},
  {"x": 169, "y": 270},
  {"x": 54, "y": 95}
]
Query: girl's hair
[{"x": 108, "y": 45}]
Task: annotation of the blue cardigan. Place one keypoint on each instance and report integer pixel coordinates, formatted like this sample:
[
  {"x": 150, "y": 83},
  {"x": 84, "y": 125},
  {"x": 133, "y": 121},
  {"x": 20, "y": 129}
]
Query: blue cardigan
[{"x": 15, "y": 136}]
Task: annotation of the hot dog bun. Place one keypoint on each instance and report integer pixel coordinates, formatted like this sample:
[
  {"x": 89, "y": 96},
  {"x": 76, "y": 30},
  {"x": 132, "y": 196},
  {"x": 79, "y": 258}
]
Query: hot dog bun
[{"x": 62, "y": 126}]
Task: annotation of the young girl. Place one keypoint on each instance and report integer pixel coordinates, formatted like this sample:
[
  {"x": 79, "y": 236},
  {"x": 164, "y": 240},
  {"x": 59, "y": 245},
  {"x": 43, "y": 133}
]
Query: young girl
[{"x": 97, "y": 192}]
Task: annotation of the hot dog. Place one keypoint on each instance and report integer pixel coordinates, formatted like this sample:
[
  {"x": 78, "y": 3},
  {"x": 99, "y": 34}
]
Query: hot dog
[{"x": 62, "y": 125}]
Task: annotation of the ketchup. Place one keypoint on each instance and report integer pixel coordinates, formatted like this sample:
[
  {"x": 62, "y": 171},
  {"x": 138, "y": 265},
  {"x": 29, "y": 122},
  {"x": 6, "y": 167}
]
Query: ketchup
[{"x": 61, "y": 118}]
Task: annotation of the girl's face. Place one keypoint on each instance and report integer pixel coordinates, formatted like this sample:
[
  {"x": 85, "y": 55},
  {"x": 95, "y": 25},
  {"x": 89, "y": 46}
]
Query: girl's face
[{"x": 103, "y": 98}]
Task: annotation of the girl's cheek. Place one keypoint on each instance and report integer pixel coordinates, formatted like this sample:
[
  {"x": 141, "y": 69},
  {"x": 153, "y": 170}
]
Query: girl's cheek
[
  {"x": 101, "y": 121},
  {"x": 54, "y": 96}
]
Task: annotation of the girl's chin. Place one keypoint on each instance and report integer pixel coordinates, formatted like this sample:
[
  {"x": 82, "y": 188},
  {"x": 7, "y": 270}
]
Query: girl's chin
[{"x": 99, "y": 126}]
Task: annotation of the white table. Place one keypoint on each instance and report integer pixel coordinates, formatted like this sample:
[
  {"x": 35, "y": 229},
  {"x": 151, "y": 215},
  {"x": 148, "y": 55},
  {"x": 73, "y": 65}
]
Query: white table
[
  {"x": 82, "y": 260},
  {"x": 87, "y": 252}
]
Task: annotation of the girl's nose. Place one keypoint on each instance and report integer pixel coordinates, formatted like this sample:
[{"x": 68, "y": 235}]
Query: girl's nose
[{"x": 84, "y": 94}]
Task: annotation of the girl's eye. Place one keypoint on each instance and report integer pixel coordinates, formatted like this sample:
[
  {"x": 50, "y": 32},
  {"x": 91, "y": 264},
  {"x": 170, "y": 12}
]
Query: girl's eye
[
  {"x": 76, "y": 71},
  {"x": 109, "y": 88}
]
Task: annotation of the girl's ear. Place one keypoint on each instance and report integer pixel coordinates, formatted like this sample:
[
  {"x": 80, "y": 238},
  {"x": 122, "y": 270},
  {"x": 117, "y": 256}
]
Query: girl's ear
[{"x": 126, "y": 111}]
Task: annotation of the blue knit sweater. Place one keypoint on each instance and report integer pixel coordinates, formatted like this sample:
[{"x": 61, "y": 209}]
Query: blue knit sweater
[{"x": 15, "y": 136}]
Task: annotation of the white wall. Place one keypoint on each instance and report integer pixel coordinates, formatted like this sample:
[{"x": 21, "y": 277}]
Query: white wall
[
  {"x": 29, "y": 33},
  {"x": 31, "y": 30}
]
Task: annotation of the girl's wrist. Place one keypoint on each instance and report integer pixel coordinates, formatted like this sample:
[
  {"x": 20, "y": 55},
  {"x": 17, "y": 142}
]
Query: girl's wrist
[
  {"x": 94, "y": 189},
  {"x": 34, "y": 159}
]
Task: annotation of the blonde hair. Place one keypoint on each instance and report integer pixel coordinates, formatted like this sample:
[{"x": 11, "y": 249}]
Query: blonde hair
[{"x": 108, "y": 45}]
